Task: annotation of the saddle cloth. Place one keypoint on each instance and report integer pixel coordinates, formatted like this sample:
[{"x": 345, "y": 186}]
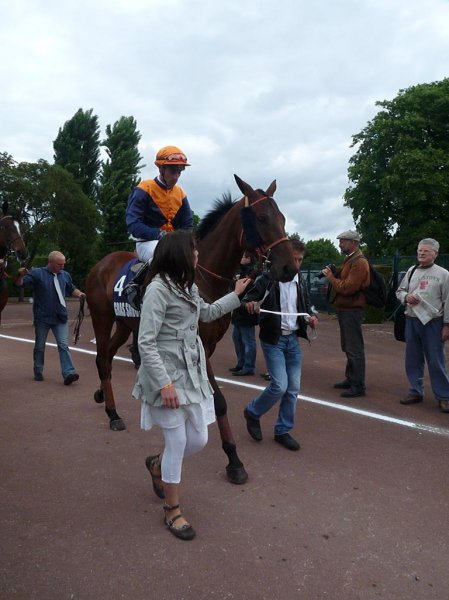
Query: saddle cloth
[{"x": 122, "y": 308}]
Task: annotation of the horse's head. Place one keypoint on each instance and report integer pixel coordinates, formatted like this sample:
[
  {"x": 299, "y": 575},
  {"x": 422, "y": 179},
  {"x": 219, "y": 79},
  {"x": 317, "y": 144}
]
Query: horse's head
[
  {"x": 264, "y": 230},
  {"x": 10, "y": 237}
]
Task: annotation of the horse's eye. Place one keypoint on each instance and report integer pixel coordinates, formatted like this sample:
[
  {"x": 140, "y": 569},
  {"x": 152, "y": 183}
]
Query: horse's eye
[{"x": 262, "y": 219}]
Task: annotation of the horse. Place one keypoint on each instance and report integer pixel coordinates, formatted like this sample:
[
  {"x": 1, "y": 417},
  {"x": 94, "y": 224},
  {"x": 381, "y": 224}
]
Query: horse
[
  {"x": 11, "y": 242},
  {"x": 252, "y": 223}
]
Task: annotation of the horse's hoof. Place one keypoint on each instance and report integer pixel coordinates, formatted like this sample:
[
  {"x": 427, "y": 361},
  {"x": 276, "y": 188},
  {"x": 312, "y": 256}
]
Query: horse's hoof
[
  {"x": 236, "y": 475},
  {"x": 117, "y": 425},
  {"x": 99, "y": 396}
]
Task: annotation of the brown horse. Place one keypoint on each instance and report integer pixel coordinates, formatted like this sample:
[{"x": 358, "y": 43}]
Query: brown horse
[
  {"x": 255, "y": 223},
  {"x": 11, "y": 242}
]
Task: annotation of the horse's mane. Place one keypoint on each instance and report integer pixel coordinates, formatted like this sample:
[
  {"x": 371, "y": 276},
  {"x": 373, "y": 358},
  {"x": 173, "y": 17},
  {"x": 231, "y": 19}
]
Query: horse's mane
[{"x": 212, "y": 218}]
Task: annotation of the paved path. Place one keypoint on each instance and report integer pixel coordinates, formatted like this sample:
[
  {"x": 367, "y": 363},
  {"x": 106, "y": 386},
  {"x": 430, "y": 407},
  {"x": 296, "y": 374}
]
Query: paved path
[{"x": 361, "y": 512}]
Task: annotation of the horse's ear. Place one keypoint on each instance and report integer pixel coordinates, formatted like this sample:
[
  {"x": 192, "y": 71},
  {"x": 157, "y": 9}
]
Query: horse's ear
[
  {"x": 271, "y": 189},
  {"x": 244, "y": 187},
  {"x": 5, "y": 207}
]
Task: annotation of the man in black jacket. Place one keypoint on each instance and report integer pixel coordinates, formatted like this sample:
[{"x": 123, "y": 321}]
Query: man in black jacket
[
  {"x": 279, "y": 340},
  {"x": 244, "y": 326}
]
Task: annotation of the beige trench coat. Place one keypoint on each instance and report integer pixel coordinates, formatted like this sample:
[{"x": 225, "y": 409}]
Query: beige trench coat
[{"x": 170, "y": 347}]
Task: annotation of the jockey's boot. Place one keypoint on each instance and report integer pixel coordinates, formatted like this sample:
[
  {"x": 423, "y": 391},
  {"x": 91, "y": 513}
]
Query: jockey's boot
[
  {"x": 133, "y": 290},
  {"x": 139, "y": 277}
]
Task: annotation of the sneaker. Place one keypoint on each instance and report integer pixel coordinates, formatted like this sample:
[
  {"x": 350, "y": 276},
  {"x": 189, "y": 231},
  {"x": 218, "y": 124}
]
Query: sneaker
[
  {"x": 38, "y": 377},
  {"x": 411, "y": 399},
  {"x": 286, "y": 440},
  {"x": 353, "y": 393},
  {"x": 71, "y": 378},
  {"x": 342, "y": 385},
  {"x": 444, "y": 406},
  {"x": 253, "y": 426}
]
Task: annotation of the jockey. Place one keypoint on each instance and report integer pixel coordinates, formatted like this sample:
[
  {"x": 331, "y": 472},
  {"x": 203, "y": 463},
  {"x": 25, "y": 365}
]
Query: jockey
[{"x": 158, "y": 206}]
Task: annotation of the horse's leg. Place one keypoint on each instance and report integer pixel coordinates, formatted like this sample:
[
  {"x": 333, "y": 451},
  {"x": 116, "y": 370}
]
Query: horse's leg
[
  {"x": 134, "y": 350},
  {"x": 102, "y": 323},
  {"x": 121, "y": 334},
  {"x": 235, "y": 470}
]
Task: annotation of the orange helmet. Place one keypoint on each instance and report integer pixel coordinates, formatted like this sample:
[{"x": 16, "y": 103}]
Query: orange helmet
[{"x": 171, "y": 155}]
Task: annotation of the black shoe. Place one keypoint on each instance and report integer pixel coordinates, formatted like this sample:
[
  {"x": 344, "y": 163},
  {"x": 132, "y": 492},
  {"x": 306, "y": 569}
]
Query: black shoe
[
  {"x": 411, "y": 399},
  {"x": 253, "y": 426},
  {"x": 185, "y": 532},
  {"x": 133, "y": 295},
  {"x": 71, "y": 378},
  {"x": 342, "y": 385},
  {"x": 234, "y": 369},
  {"x": 286, "y": 440},
  {"x": 266, "y": 376},
  {"x": 243, "y": 372},
  {"x": 353, "y": 393},
  {"x": 38, "y": 377}
]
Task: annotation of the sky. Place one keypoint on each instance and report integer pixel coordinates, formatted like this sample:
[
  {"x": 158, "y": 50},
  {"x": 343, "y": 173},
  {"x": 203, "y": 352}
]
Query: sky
[{"x": 266, "y": 89}]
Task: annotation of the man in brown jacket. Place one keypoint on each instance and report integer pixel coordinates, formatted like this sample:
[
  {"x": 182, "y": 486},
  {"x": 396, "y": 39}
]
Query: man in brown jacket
[{"x": 347, "y": 285}]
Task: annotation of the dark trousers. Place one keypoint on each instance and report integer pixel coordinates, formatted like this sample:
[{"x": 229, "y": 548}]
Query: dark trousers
[{"x": 352, "y": 345}]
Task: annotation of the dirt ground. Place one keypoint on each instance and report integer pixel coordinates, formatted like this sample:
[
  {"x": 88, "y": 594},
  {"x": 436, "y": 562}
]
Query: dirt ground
[{"x": 361, "y": 512}]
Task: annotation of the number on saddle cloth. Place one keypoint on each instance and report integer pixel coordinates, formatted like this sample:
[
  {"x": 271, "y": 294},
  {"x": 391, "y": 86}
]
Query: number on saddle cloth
[{"x": 127, "y": 296}]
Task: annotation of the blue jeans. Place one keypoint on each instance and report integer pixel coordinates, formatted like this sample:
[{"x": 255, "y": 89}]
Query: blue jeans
[
  {"x": 423, "y": 342},
  {"x": 244, "y": 338},
  {"x": 60, "y": 331},
  {"x": 283, "y": 362}
]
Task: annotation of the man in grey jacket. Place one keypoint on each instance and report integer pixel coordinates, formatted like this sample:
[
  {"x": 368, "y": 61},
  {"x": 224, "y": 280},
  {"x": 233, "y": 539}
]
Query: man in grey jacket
[{"x": 424, "y": 290}]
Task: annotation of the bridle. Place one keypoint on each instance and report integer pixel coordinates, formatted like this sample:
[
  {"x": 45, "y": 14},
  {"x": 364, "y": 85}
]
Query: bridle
[
  {"x": 262, "y": 251},
  {"x": 8, "y": 244}
]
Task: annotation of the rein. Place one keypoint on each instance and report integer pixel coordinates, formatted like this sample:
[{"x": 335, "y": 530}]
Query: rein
[
  {"x": 78, "y": 321},
  {"x": 212, "y": 273}
]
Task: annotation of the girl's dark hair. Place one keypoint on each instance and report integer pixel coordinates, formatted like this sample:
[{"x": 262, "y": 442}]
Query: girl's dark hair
[{"x": 173, "y": 258}]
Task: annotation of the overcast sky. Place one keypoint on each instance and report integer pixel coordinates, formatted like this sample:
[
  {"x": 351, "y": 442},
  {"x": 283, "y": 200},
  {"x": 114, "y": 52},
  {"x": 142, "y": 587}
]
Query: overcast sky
[{"x": 267, "y": 89}]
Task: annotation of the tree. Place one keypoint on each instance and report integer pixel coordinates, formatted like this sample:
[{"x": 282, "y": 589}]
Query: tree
[
  {"x": 321, "y": 251},
  {"x": 57, "y": 215},
  {"x": 399, "y": 176},
  {"x": 119, "y": 175},
  {"x": 77, "y": 149}
]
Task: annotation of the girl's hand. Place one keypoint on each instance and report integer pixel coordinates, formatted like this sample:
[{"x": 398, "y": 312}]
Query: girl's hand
[
  {"x": 241, "y": 285},
  {"x": 170, "y": 397}
]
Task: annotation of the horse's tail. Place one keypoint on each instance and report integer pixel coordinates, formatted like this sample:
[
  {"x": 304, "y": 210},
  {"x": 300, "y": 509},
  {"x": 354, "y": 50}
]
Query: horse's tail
[{"x": 78, "y": 321}]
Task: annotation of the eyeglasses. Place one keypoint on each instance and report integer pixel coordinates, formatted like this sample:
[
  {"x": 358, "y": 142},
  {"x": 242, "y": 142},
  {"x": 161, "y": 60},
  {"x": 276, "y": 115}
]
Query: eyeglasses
[{"x": 175, "y": 156}]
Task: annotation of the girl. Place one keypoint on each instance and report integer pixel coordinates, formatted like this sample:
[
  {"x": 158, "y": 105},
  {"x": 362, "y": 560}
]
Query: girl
[{"x": 172, "y": 382}]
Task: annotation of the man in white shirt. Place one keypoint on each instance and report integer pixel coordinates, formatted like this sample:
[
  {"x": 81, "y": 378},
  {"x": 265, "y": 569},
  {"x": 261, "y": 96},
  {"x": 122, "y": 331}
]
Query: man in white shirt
[{"x": 279, "y": 341}]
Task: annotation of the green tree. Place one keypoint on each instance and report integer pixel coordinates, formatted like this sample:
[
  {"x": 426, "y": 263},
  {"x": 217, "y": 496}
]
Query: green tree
[
  {"x": 77, "y": 149},
  {"x": 321, "y": 251},
  {"x": 55, "y": 211},
  {"x": 118, "y": 176},
  {"x": 399, "y": 176},
  {"x": 7, "y": 164}
]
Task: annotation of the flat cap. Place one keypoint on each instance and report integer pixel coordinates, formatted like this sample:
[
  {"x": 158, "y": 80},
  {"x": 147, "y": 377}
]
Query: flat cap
[{"x": 349, "y": 235}]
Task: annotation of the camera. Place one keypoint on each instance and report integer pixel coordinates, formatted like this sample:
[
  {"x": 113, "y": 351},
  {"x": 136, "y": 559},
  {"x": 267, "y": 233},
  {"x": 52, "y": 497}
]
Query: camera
[{"x": 333, "y": 268}]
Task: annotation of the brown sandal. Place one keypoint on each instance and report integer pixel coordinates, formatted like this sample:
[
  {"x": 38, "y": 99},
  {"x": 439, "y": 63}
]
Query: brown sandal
[
  {"x": 153, "y": 462},
  {"x": 185, "y": 532}
]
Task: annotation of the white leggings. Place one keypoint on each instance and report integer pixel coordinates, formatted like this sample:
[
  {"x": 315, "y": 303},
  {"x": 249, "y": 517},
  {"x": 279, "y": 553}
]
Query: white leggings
[{"x": 180, "y": 442}]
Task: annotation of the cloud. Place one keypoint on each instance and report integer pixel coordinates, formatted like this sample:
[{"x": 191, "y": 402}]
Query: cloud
[{"x": 265, "y": 90}]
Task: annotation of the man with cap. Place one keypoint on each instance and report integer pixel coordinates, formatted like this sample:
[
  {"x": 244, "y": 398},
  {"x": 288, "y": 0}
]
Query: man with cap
[
  {"x": 347, "y": 284},
  {"x": 158, "y": 206}
]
